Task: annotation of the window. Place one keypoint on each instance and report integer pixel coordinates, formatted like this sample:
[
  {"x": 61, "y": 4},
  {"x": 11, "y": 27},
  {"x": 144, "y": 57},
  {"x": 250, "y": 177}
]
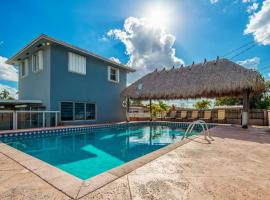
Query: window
[
  {"x": 90, "y": 111},
  {"x": 113, "y": 74},
  {"x": 77, "y": 111},
  {"x": 24, "y": 68},
  {"x": 76, "y": 63},
  {"x": 37, "y": 61},
  {"x": 66, "y": 111}
]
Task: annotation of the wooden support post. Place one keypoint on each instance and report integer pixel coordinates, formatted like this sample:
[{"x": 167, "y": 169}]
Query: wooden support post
[
  {"x": 245, "y": 112},
  {"x": 150, "y": 109}
]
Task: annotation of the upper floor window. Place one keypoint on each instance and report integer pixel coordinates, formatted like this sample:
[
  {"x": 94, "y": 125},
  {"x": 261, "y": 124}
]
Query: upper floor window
[
  {"x": 113, "y": 74},
  {"x": 24, "y": 68},
  {"x": 37, "y": 61},
  {"x": 76, "y": 63}
]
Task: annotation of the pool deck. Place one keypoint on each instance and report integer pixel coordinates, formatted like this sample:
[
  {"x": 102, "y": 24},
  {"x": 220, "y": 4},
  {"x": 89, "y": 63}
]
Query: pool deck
[{"x": 236, "y": 165}]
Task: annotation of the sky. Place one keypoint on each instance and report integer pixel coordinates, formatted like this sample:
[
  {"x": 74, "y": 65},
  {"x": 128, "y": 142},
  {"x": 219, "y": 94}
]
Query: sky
[{"x": 144, "y": 34}]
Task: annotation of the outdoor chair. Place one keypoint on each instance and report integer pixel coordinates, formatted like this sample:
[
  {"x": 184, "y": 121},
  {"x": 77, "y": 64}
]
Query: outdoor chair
[
  {"x": 207, "y": 116},
  {"x": 172, "y": 116},
  {"x": 221, "y": 116},
  {"x": 194, "y": 115},
  {"x": 183, "y": 115}
]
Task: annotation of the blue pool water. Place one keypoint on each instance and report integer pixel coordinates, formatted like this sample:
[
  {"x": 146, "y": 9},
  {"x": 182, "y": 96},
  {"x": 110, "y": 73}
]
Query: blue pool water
[{"x": 87, "y": 153}]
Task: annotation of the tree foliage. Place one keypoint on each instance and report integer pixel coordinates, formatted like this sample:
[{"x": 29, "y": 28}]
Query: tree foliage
[
  {"x": 159, "y": 108},
  {"x": 163, "y": 106},
  {"x": 261, "y": 101},
  {"x": 228, "y": 101},
  {"x": 5, "y": 95},
  {"x": 202, "y": 104}
]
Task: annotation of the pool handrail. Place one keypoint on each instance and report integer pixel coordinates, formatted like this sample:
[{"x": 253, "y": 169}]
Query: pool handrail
[{"x": 204, "y": 126}]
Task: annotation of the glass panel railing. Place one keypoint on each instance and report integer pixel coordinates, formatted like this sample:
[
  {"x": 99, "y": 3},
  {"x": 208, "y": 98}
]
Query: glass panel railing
[
  {"x": 6, "y": 120},
  {"x": 28, "y": 119}
]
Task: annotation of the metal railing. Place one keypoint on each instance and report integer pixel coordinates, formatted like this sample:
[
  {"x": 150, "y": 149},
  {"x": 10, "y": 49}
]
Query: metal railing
[
  {"x": 201, "y": 123},
  {"x": 12, "y": 120}
]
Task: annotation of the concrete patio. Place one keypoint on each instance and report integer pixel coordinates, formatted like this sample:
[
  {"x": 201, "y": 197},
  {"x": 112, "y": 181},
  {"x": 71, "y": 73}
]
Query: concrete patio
[{"x": 236, "y": 165}]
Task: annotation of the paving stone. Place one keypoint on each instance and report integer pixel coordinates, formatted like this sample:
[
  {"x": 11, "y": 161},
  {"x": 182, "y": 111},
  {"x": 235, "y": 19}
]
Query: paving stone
[{"x": 117, "y": 190}]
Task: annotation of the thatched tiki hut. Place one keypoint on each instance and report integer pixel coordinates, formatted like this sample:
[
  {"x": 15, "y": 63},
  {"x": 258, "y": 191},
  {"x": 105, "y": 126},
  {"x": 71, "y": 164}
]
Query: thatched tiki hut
[{"x": 217, "y": 78}]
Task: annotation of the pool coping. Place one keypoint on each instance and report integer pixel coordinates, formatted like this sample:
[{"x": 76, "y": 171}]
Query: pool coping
[{"x": 74, "y": 187}]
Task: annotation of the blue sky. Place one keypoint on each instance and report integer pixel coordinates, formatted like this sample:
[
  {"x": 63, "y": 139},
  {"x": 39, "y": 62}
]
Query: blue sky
[{"x": 194, "y": 30}]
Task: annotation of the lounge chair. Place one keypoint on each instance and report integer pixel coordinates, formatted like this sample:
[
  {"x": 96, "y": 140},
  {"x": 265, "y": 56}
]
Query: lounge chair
[
  {"x": 183, "y": 115},
  {"x": 172, "y": 116},
  {"x": 221, "y": 116},
  {"x": 207, "y": 115},
  {"x": 194, "y": 115}
]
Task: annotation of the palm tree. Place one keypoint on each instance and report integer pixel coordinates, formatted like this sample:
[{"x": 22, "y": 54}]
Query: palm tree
[{"x": 203, "y": 104}]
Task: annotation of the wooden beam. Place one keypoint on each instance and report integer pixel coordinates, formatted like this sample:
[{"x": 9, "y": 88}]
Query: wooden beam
[{"x": 245, "y": 113}]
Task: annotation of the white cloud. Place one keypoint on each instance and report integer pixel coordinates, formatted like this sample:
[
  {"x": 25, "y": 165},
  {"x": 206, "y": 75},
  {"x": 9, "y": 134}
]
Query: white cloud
[
  {"x": 12, "y": 91},
  {"x": 251, "y": 63},
  {"x": 115, "y": 60},
  {"x": 259, "y": 24},
  {"x": 7, "y": 72},
  {"x": 148, "y": 47},
  {"x": 249, "y": 1},
  {"x": 213, "y": 1},
  {"x": 252, "y": 8}
]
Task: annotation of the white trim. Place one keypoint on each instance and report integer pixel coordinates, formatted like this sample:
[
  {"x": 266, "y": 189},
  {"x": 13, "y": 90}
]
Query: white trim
[
  {"x": 117, "y": 74},
  {"x": 20, "y": 101},
  {"x": 50, "y": 39},
  {"x": 36, "y": 111}
]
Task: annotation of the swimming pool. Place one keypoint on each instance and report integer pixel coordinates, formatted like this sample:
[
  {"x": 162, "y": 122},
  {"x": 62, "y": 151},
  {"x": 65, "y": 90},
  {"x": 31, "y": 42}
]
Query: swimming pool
[{"x": 87, "y": 152}]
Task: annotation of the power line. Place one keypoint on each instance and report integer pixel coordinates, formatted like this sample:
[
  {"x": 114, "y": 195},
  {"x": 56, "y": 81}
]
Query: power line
[
  {"x": 249, "y": 46},
  {"x": 232, "y": 51},
  {"x": 243, "y": 51}
]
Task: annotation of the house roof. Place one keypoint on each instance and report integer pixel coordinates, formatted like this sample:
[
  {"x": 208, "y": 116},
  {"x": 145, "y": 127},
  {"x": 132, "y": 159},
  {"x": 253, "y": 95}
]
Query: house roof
[
  {"x": 215, "y": 78},
  {"x": 44, "y": 39}
]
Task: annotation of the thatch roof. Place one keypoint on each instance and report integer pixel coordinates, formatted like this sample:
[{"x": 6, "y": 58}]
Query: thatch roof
[{"x": 209, "y": 79}]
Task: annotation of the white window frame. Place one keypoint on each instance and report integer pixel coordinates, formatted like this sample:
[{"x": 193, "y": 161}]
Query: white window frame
[
  {"x": 73, "y": 111},
  {"x": 25, "y": 62},
  {"x": 76, "y": 63},
  {"x": 117, "y": 74},
  {"x": 37, "y": 63}
]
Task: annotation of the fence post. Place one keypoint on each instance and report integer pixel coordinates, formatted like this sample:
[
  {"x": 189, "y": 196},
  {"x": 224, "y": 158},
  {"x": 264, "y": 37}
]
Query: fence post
[{"x": 43, "y": 119}]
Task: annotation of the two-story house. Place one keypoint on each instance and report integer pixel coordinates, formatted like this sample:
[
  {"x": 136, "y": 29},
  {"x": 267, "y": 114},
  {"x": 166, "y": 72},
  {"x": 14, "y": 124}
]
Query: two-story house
[{"x": 83, "y": 86}]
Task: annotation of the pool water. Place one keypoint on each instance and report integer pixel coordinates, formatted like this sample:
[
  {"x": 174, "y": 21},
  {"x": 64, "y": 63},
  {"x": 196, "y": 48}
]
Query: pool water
[{"x": 88, "y": 153}]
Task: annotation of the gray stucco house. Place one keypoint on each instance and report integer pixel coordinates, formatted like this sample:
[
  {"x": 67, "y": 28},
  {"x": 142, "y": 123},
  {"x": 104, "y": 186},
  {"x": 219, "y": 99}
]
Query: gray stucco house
[{"x": 83, "y": 86}]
